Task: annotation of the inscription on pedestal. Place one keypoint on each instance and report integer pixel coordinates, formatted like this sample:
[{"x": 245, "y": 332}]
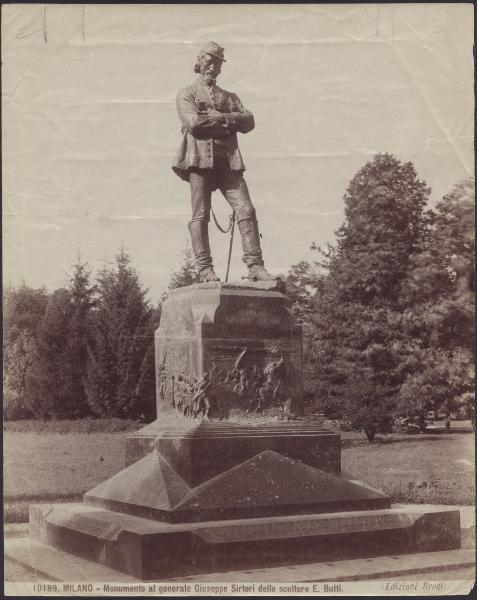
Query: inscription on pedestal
[{"x": 99, "y": 528}]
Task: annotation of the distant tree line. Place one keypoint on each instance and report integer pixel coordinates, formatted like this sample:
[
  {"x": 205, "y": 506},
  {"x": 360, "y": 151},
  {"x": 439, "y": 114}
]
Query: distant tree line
[
  {"x": 86, "y": 349},
  {"x": 388, "y": 310}
]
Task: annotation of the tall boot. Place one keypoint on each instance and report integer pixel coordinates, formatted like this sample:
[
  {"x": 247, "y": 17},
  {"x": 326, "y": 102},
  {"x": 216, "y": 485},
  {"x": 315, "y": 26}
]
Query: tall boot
[
  {"x": 199, "y": 235},
  {"x": 252, "y": 253}
]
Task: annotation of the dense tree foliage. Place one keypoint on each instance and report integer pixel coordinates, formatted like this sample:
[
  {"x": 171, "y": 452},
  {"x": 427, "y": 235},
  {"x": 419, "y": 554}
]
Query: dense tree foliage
[
  {"x": 55, "y": 382},
  {"x": 438, "y": 309},
  {"x": 302, "y": 283},
  {"x": 393, "y": 301},
  {"x": 47, "y": 381},
  {"x": 18, "y": 359},
  {"x": 363, "y": 367},
  {"x": 84, "y": 350},
  {"x": 122, "y": 334},
  {"x": 23, "y": 311}
]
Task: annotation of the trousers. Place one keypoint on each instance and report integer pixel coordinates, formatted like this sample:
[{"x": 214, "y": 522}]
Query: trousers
[
  {"x": 234, "y": 188},
  {"x": 231, "y": 184}
]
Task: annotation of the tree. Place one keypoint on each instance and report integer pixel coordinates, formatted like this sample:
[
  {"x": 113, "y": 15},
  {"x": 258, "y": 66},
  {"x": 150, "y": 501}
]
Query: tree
[
  {"x": 439, "y": 290},
  {"x": 359, "y": 356},
  {"x": 383, "y": 208},
  {"x": 187, "y": 273},
  {"x": 442, "y": 383},
  {"x": 23, "y": 311},
  {"x": 438, "y": 298},
  {"x": 47, "y": 381},
  {"x": 55, "y": 385},
  {"x": 20, "y": 358},
  {"x": 368, "y": 404},
  {"x": 455, "y": 235},
  {"x": 121, "y": 341},
  {"x": 302, "y": 282},
  {"x": 79, "y": 335}
]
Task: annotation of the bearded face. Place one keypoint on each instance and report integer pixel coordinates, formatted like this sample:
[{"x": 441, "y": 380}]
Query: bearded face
[{"x": 209, "y": 68}]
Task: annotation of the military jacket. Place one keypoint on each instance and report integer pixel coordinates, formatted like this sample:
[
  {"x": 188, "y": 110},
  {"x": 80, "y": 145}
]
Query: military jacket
[{"x": 200, "y": 133}]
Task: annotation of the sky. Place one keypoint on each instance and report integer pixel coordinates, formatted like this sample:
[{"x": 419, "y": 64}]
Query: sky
[{"x": 90, "y": 127}]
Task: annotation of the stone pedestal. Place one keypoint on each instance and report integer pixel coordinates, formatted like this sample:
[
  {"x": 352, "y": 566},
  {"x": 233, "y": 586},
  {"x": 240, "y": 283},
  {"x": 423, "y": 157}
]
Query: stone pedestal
[
  {"x": 225, "y": 350},
  {"x": 227, "y": 476}
]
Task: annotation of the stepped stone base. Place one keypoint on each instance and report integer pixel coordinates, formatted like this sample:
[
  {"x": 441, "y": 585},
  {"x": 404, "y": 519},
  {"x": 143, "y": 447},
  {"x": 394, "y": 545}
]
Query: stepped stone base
[
  {"x": 212, "y": 497},
  {"x": 228, "y": 477},
  {"x": 148, "y": 549}
]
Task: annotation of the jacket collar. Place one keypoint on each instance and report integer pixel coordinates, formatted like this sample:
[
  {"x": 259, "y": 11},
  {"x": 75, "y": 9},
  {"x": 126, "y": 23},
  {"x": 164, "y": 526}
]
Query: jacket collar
[{"x": 218, "y": 92}]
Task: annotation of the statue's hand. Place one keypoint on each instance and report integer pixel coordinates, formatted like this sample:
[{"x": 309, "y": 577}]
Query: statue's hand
[{"x": 215, "y": 116}]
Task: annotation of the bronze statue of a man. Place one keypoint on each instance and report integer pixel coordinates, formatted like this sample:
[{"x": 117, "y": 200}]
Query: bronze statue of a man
[{"x": 209, "y": 158}]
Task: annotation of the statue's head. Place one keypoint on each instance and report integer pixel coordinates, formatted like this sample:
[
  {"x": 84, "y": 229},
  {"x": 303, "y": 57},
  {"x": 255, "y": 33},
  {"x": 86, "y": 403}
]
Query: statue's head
[{"x": 209, "y": 62}]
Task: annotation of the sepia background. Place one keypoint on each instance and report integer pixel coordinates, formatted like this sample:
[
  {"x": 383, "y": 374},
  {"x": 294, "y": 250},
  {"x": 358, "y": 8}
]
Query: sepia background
[
  {"x": 90, "y": 127},
  {"x": 90, "y": 130}
]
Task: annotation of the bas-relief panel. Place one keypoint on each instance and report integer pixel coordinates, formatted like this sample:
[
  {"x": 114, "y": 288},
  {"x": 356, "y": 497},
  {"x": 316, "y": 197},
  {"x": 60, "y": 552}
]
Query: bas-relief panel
[
  {"x": 173, "y": 359},
  {"x": 238, "y": 377}
]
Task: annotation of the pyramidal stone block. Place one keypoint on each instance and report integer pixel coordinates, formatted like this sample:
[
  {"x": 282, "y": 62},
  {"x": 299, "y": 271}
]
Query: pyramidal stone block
[
  {"x": 273, "y": 484},
  {"x": 149, "y": 488},
  {"x": 267, "y": 484}
]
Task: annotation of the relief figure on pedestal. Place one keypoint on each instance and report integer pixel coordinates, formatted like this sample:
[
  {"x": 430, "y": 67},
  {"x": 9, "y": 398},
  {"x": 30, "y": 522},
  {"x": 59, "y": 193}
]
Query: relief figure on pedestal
[
  {"x": 241, "y": 388},
  {"x": 201, "y": 400}
]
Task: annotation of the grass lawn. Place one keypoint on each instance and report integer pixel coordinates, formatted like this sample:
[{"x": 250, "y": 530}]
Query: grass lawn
[
  {"x": 41, "y": 466},
  {"x": 424, "y": 468},
  {"x": 59, "y": 460},
  {"x": 62, "y": 460}
]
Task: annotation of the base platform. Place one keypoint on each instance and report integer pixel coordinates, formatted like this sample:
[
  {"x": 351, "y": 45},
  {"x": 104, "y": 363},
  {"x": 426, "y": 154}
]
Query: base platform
[
  {"x": 148, "y": 549},
  {"x": 27, "y": 560}
]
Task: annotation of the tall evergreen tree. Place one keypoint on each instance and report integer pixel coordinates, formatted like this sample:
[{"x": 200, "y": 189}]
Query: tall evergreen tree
[
  {"x": 47, "y": 381},
  {"x": 122, "y": 336},
  {"x": 79, "y": 334},
  {"x": 55, "y": 386},
  {"x": 358, "y": 355}
]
